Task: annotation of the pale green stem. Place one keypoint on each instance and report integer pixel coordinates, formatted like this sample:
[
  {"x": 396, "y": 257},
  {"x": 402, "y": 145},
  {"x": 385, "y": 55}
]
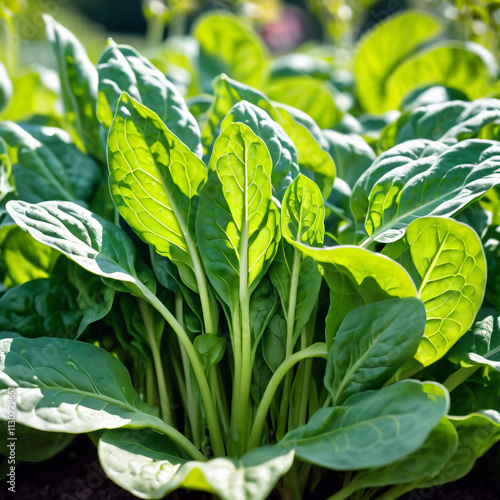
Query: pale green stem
[
  {"x": 460, "y": 376},
  {"x": 155, "y": 349},
  {"x": 154, "y": 34},
  {"x": 345, "y": 492},
  {"x": 290, "y": 327},
  {"x": 211, "y": 412},
  {"x": 260, "y": 417}
]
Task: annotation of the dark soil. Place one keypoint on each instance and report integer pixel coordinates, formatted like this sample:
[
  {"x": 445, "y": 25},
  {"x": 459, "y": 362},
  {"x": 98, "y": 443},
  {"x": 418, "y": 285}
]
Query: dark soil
[{"x": 75, "y": 474}]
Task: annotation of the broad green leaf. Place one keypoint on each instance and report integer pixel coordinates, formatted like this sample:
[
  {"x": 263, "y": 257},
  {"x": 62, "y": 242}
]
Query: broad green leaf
[
  {"x": 24, "y": 258},
  {"x": 482, "y": 344},
  {"x": 297, "y": 64},
  {"x": 314, "y": 159},
  {"x": 303, "y": 213},
  {"x": 97, "y": 245},
  {"x": 351, "y": 154},
  {"x": 78, "y": 78},
  {"x": 448, "y": 122},
  {"x": 155, "y": 182},
  {"x": 33, "y": 445},
  {"x": 148, "y": 465},
  {"x": 122, "y": 69},
  {"x": 228, "y": 46},
  {"x": 82, "y": 172},
  {"x": 59, "y": 306},
  {"x": 382, "y": 49},
  {"x": 237, "y": 218},
  {"x": 420, "y": 178},
  {"x": 6, "y": 88},
  {"x": 7, "y": 184},
  {"x": 70, "y": 386},
  {"x": 274, "y": 342},
  {"x": 371, "y": 344},
  {"x": 357, "y": 277},
  {"x": 451, "y": 267},
  {"x": 39, "y": 175},
  {"x": 423, "y": 464},
  {"x": 430, "y": 95},
  {"x": 263, "y": 305},
  {"x": 210, "y": 349},
  {"x": 281, "y": 148},
  {"x": 371, "y": 429},
  {"x": 477, "y": 433},
  {"x": 465, "y": 66},
  {"x": 312, "y": 96}
]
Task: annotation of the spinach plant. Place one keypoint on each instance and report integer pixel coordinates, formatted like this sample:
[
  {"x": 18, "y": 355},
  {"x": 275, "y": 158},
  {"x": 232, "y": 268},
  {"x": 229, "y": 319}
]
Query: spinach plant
[{"x": 228, "y": 298}]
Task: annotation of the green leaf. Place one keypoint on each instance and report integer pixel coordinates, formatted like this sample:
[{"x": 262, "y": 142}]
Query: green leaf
[
  {"x": 24, "y": 258},
  {"x": 97, "y": 245},
  {"x": 421, "y": 178},
  {"x": 155, "y": 182},
  {"x": 78, "y": 78},
  {"x": 281, "y": 148},
  {"x": 451, "y": 267},
  {"x": 59, "y": 306},
  {"x": 312, "y": 96},
  {"x": 351, "y": 154},
  {"x": 448, "y": 122},
  {"x": 7, "y": 184},
  {"x": 357, "y": 277},
  {"x": 314, "y": 159},
  {"x": 274, "y": 342},
  {"x": 385, "y": 47},
  {"x": 303, "y": 213},
  {"x": 481, "y": 346},
  {"x": 371, "y": 429},
  {"x": 371, "y": 344},
  {"x": 56, "y": 393},
  {"x": 39, "y": 175},
  {"x": 158, "y": 467},
  {"x": 237, "y": 219},
  {"x": 477, "y": 433},
  {"x": 464, "y": 66},
  {"x": 227, "y": 45},
  {"x": 6, "y": 88},
  {"x": 210, "y": 349},
  {"x": 122, "y": 69},
  {"x": 423, "y": 464}
]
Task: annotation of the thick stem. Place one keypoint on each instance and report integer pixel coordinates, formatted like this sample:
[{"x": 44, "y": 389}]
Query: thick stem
[
  {"x": 160, "y": 375},
  {"x": 318, "y": 350},
  {"x": 460, "y": 376},
  {"x": 154, "y": 33},
  {"x": 211, "y": 413}
]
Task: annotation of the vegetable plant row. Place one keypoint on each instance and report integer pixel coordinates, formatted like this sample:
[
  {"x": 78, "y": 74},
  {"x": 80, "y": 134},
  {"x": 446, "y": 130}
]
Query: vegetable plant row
[{"x": 238, "y": 296}]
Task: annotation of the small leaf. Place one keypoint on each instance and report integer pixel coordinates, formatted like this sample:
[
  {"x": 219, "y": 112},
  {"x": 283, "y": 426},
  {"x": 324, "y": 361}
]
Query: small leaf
[
  {"x": 210, "y": 349},
  {"x": 370, "y": 429},
  {"x": 371, "y": 344}
]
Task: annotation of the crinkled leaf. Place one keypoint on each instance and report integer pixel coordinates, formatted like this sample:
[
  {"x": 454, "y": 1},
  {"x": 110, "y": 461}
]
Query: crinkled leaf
[
  {"x": 371, "y": 344},
  {"x": 449, "y": 260},
  {"x": 148, "y": 465},
  {"x": 448, "y": 122},
  {"x": 155, "y": 182},
  {"x": 420, "y": 178},
  {"x": 122, "y": 69},
  {"x": 370, "y": 429},
  {"x": 97, "y": 245}
]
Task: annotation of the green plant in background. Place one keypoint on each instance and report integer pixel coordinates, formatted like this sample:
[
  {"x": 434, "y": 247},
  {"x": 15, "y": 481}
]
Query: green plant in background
[{"x": 235, "y": 291}]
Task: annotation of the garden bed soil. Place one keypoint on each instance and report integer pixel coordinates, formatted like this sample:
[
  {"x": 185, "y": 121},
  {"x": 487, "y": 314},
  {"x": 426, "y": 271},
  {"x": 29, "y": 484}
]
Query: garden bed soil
[{"x": 75, "y": 474}]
